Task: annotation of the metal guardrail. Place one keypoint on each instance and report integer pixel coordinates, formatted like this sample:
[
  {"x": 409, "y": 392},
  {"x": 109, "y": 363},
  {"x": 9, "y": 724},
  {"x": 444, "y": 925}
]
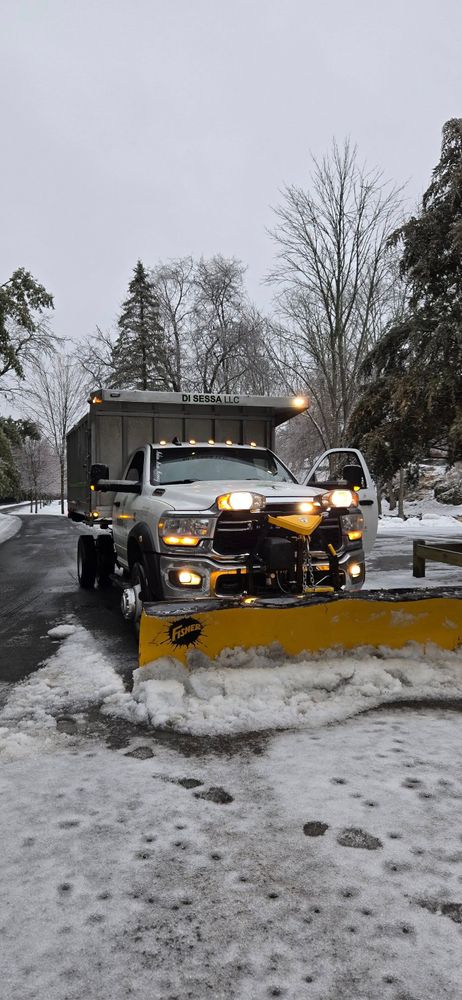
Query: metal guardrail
[{"x": 446, "y": 552}]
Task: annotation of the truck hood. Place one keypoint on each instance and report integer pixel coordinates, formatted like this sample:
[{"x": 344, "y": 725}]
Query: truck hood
[{"x": 202, "y": 495}]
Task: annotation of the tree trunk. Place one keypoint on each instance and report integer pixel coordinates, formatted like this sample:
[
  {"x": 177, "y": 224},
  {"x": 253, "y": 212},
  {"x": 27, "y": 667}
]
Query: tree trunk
[
  {"x": 379, "y": 500},
  {"x": 391, "y": 495},
  {"x": 401, "y": 494},
  {"x": 61, "y": 471}
]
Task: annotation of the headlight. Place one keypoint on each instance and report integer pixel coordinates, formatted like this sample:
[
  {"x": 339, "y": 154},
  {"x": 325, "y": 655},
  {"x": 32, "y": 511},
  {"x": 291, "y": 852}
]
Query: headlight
[
  {"x": 340, "y": 498},
  {"x": 241, "y": 501},
  {"x": 187, "y": 531}
]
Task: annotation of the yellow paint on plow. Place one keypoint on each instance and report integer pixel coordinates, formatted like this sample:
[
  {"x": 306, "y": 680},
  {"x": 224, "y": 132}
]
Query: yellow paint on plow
[{"x": 342, "y": 621}]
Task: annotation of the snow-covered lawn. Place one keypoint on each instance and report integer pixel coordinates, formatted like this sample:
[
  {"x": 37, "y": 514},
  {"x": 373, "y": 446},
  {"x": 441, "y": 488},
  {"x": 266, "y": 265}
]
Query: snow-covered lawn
[{"x": 51, "y": 508}]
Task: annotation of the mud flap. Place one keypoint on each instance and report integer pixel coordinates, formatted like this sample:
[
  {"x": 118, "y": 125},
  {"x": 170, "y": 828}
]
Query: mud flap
[{"x": 314, "y": 623}]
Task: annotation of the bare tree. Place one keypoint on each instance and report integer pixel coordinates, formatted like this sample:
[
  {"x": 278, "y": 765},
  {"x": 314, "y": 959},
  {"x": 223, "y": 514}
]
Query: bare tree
[
  {"x": 54, "y": 397},
  {"x": 229, "y": 335},
  {"x": 337, "y": 278},
  {"x": 174, "y": 285},
  {"x": 38, "y": 468},
  {"x": 94, "y": 355}
]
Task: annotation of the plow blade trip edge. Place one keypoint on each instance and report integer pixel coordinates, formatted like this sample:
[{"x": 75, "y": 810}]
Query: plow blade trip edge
[{"x": 320, "y": 622}]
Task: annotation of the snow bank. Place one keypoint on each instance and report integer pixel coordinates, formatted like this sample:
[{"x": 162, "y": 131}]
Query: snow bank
[
  {"x": 241, "y": 692},
  {"x": 75, "y": 678},
  {"x": 248, "y": 692},
  {"x": 9, "y": 526},
  {"x": 428, "y": 525},
  {"x": 61, "y": 631}
]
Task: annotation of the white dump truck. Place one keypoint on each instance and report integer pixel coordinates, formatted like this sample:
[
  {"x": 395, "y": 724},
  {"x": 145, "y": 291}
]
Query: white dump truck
[{"x": 188, "y": 501}]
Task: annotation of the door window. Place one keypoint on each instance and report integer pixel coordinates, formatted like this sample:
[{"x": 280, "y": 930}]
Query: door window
[
  {"x": 135, "y": 470},
  {"x": 331, "y": 468}
]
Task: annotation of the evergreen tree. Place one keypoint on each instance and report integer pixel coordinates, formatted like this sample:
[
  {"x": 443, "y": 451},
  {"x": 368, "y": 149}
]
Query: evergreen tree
[
  {"x": 22, "y": 302},
  {"x": 414, "y": 396},
  {"x": 13, "y": 434},
  {"x": 138, "y": 357}
]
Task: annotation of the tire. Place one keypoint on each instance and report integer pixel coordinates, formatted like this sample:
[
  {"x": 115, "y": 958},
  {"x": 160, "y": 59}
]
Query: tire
[
  {"x": 139, "y": 579},
  {"x": 86, "y": 562},
  {"x": 138, "y": 576},
  {"x": 105, "y": 560}
]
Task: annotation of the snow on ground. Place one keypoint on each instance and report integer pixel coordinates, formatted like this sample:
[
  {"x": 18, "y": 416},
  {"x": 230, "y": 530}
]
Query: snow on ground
[
  {"x": 318, "y": 865},
  {"x": 9, "y": 506},
  {"x": 390, "y": 562},
  {"x": 9, "y": 526},
  {"x": 51, "y": 508},
  {"x": 243, "y": 692}
]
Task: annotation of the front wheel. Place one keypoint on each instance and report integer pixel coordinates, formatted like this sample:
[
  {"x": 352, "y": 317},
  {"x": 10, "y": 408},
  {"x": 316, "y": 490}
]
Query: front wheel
[
  {"x": 134, "y": 596},
  {"x": 86, "y": 562}
]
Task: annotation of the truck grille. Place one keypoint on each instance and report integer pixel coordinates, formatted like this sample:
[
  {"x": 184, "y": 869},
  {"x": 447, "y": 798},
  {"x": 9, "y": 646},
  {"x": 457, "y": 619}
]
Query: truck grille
[{"x": 236, "y": 534}]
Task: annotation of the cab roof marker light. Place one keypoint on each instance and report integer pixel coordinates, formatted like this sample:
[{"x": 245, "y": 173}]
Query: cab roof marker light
[
  {"x": 192, "y": 440},
  {"x": 211, "y": 441},
  {"x": 299, "y": 402},
  {"x": 163, "y": 441},
  {"x": 228, "y": 442},
  {"x": 253, "y": 444}
]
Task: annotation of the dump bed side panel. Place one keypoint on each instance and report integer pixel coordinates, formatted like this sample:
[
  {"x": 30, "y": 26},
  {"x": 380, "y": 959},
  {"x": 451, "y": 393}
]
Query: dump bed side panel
[{"x": 78, "y": 463}]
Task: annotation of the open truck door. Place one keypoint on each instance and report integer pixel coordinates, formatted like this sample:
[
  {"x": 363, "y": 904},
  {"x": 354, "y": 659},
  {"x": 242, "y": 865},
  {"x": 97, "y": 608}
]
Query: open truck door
[{"x": 332, "y": 469}]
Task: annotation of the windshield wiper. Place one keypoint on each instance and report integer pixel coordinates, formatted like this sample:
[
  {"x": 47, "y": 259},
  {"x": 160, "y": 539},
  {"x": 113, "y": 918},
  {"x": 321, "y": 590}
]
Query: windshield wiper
[{"x": 178, "y": 482}]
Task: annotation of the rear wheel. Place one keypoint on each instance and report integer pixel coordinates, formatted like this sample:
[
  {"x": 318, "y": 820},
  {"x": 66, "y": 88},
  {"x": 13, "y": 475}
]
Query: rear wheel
[
  {"x": 86, "y": 562},
  {"x": 105, "y": 560}
]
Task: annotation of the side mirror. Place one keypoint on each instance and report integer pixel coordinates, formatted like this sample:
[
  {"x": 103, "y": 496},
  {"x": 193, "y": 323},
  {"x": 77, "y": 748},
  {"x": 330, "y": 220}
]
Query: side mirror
[
  {"x": 98, "y": 471},
  {"x": 354, "y": 476}
]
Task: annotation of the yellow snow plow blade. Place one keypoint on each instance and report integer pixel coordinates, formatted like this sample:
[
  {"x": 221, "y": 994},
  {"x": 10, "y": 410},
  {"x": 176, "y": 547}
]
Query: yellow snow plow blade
[{"x": 319, "y": 621}]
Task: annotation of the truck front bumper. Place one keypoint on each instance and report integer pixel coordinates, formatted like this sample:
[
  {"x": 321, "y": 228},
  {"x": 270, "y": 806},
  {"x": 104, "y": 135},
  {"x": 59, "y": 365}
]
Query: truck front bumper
[{"x": 225, "y": 580}]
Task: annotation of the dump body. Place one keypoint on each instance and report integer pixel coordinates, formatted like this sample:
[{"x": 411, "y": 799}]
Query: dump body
[{"x": 124, "y": 420}]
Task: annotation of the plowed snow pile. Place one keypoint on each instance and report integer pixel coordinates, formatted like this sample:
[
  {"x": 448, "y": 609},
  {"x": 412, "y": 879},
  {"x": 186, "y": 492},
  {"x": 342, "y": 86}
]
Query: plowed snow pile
[{"x": 241, "y": 692}]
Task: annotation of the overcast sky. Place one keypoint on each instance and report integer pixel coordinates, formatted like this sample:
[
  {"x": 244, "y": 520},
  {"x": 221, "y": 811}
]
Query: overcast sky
[{"x": 159, "y": 128}]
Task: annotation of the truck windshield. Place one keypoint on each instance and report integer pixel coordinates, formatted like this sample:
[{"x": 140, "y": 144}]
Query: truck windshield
[{"x": 190, "y": 465}]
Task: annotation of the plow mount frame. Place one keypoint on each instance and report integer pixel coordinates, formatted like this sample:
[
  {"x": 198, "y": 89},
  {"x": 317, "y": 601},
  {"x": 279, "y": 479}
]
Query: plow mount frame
[{"x": 314, "y": 623}]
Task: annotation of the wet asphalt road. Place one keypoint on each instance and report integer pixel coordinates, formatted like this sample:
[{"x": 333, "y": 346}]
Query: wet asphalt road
[{"x": 39, "y": 588}]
